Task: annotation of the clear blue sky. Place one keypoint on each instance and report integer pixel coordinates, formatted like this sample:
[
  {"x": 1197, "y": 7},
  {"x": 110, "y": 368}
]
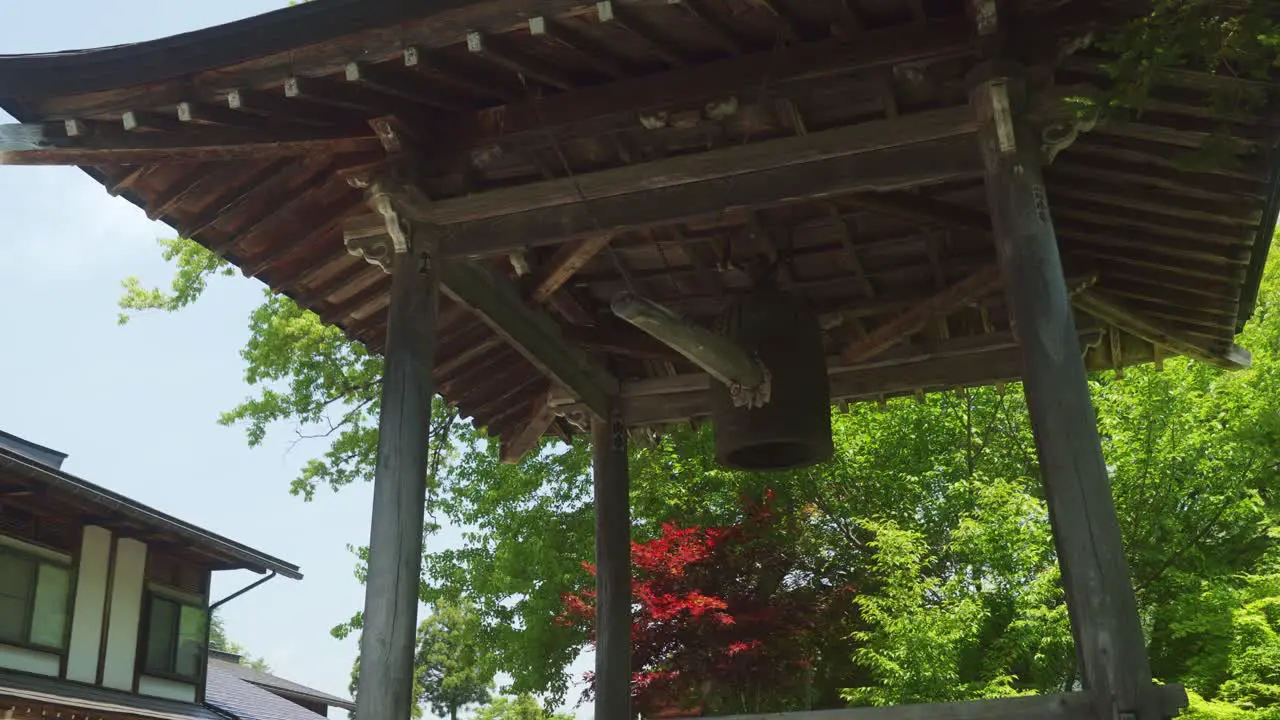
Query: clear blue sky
[{"x": 136, "y": 406}]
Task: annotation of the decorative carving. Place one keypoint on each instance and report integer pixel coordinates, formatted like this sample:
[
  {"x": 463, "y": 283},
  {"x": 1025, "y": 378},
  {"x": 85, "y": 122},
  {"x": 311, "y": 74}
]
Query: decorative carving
[
  {"x": 375, "y": 249},
  {"x": 1061, "y": 113},
  {"x": 378, "y": 249}
]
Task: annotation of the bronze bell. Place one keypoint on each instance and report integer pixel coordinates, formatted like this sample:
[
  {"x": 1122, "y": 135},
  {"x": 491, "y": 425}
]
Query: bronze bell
[{"x": 793, "y": 428}]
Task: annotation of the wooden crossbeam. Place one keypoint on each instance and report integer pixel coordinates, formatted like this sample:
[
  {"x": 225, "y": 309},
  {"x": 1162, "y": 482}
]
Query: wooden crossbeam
[
  {"x": 39, "y": 144},
  {"x": 974, "y": 287},
  {"x": 712, "y": 165},
  {"x": 530, "y": 331},
  {"x": 1108, "y": 309},
  {"x": 938, "y": 161}
]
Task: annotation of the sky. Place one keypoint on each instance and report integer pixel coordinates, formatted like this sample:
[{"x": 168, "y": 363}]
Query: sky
[{"x": 136, "y": 407}]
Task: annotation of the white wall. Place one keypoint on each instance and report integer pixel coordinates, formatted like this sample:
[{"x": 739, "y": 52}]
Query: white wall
[
  {"x": 90, "y": 605},
  {"x": 159, "y": 687},
  {"x": 125, "y": 614},
  {"x": 32, "y": 661}
]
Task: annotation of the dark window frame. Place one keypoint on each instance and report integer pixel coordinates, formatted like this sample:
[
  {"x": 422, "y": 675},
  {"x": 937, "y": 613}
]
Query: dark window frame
[
  {"x": 36, "y": 560},
  {"x": 170, "y": 670}
]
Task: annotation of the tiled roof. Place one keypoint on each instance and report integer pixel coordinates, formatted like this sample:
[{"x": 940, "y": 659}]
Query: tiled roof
[
  {"x": 53, "y": 691},
  {"x": 277, "y": 684},
  {"x": 230, "y": 694}
]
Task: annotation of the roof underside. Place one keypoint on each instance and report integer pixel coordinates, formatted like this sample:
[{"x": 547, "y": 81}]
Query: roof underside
[
  {"x": 49, "y": 492},
  {"x": 707, "y": 139}
]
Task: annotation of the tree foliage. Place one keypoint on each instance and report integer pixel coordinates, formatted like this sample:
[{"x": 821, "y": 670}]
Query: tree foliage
[
  {"x": 521, "y": 707},
  {"x": 726, "y": 619}
]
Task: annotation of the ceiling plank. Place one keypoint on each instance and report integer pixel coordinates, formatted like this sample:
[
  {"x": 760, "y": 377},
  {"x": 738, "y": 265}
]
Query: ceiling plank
[{"x": 38, "y": 144}]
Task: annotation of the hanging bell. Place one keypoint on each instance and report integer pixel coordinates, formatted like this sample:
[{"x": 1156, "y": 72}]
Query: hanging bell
[{"x": 792, "y": 429}]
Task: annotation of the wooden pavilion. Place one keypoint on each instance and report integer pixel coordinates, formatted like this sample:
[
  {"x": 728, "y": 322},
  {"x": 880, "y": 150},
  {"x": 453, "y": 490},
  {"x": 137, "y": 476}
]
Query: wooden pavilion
[{"x": 888, "y": 162}]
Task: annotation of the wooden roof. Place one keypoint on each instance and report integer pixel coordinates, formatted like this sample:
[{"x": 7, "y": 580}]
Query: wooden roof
[{"x": 572, "y": 150}]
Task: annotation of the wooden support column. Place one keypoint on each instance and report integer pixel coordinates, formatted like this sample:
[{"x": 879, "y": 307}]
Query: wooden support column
[
  {"x": 613, "y": 566},
  {"x": 1110, "y": 649},
  {"x": 385, "y": 690}
]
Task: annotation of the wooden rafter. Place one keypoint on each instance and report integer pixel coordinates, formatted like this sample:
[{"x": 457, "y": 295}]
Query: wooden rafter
[
  {"x": 514, "y": 445},
  {"x": 562, "y": 266},
  {"x": 37, "y": 144},
  {"x": 974, "y": 287},
  {"x": 1108, "y": 309}
]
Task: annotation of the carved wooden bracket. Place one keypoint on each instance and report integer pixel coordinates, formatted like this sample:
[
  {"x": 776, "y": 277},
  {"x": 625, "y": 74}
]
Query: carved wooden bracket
[{"x": 378, "y": 249}]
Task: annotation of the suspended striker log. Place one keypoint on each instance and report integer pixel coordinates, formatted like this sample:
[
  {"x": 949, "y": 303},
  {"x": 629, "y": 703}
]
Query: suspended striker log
[
  {"x": 723, "y": 359},
  {"x": 770, "y": 404}
]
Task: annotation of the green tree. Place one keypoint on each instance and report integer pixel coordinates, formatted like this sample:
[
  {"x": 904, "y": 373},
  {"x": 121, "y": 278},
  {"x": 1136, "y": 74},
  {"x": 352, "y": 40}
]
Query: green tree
[
  {"x": 522, "y": 707},
  {"x": 931, "y": 511}
]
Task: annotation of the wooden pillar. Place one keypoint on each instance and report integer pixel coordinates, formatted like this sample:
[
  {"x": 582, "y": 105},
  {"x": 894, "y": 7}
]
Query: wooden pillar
[
  {"x": 613, "y": 567},
  {"x": 385, "y": 690},
  {"x": 1104, "y": 618}
]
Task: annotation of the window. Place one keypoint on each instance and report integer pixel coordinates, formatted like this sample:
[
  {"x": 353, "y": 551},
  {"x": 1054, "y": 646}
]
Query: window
[
  {"x": 34, "y": 596},
  {"x": 175, "y": 638}
]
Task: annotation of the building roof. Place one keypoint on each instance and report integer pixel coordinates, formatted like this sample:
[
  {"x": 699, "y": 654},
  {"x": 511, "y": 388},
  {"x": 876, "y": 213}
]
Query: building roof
[
  {"x": 99, "y": 502},
  {"x": 832, "y": 141},
  {"x": 63, "y": 693},
  {"x": 230, "y": 693},
  {"x": 273, "y": 683}
]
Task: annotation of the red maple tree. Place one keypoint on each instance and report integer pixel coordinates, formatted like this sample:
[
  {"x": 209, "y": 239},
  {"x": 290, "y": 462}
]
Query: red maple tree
[{"x": 721, "y": 618}]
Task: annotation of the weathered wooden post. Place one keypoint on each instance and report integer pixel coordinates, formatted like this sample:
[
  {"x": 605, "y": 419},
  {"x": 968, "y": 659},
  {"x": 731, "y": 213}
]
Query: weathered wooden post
[
  {"x": 385, "y": 690},
  {"x": 613, "y": 567},
  {"x": 1104, "y": 618}
]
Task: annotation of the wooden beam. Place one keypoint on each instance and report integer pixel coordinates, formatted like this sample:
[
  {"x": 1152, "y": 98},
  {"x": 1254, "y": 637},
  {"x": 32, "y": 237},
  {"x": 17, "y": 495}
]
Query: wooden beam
[
  {"x": 530, "y": 331},
  {"x": 1108, "y": 309},
  {"x": 495, "y": 50},
  {"x": 205, "y": 114},
  {"x": 620, "y": 15},
  {"x": 44, "y": 145},
  {"x": 898, "y": 167},
  {"x": 150, "y": 121},
  {"x": 611, "y": 483},
  {"x": 419, "y": 59},
  {"x": 562, "y": 266},
  {"x": 600, "y": 57},
  {"x": 723, "y": 34},
  {"x": 1110, "y": 647},
  {"x": 406, "y": 87},
  {"x": 586, "y": 109},
  {"x": 715, "y": 164},
  {"x": 516, "y": 445},
  {"x": 1065, "y": 706}
]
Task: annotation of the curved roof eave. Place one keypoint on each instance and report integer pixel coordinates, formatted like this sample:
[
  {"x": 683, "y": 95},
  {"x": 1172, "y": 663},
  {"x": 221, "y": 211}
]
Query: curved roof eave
[{"x": 73, "y": 72}]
